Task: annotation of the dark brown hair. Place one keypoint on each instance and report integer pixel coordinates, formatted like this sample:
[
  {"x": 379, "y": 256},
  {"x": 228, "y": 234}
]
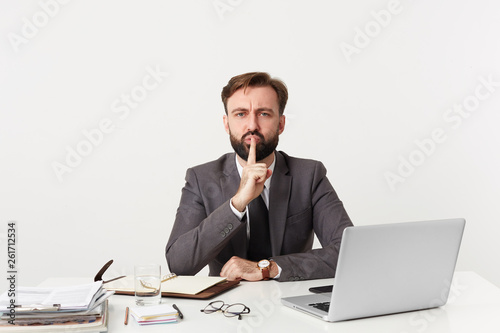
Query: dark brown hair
[{"x": 256, "y": 79}]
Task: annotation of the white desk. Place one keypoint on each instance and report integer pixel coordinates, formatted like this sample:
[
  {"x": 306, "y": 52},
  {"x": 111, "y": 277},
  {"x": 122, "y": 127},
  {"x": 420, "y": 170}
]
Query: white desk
[{"x": 473, "y": 306}]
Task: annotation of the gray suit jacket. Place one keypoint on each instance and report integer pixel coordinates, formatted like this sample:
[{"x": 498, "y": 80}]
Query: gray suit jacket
[{"x": 302, "y": 202}]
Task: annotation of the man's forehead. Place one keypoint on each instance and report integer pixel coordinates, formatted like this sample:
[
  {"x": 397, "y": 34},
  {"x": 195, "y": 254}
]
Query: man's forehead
[{"x": 256, "y": 96}]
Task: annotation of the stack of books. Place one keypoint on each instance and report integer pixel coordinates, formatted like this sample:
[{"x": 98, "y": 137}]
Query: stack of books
[
  {"x": 81, "y": 308},
  {"x": 155, "y": 314}
]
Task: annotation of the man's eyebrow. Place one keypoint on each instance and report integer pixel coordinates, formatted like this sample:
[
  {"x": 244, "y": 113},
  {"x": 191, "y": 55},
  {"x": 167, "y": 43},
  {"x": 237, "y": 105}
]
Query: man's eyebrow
[
  {"x": 239, "y": 109},
  {"x": 265, "y": 109}
]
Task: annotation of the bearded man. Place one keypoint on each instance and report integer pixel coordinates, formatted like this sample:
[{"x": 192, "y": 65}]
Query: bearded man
[{"x": 252, "y": 214}]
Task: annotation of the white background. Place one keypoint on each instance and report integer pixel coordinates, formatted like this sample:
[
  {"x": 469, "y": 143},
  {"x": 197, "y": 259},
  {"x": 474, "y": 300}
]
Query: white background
[{"x": 367, "y": 81}]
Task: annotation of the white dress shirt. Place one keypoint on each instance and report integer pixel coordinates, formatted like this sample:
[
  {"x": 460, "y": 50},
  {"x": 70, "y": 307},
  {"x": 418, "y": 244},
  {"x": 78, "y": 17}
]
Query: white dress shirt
[{"x": 265, "y": 197}]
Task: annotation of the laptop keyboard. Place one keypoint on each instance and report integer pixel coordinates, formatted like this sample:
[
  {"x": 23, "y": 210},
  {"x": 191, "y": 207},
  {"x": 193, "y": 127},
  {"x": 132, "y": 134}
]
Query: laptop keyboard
[{"x": 323, "y": 306}]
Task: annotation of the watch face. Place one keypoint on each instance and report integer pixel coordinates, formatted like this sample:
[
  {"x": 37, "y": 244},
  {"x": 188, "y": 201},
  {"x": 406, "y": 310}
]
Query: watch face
[{"x": 264, "y": 263}]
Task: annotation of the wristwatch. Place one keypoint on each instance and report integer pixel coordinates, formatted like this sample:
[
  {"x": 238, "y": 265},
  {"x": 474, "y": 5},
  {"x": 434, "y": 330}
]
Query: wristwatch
[{"x": 264, "y": 266}]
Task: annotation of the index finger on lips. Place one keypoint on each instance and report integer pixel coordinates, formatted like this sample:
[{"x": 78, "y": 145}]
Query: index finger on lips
[{"x": 251, "y": 152}]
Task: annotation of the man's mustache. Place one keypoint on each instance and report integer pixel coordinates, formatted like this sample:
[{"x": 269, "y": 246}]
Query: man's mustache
[{"x": 261, "y": 137}]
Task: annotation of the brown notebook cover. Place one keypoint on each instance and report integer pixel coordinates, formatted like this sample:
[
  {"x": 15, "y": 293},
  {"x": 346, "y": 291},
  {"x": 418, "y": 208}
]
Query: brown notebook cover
[{"x": 205, "y": 294}]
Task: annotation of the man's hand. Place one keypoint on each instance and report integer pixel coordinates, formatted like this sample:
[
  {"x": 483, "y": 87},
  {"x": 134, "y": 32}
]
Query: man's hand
[
  {"x": 252, "y": 181},
  {"x": 241, "y": 269}
]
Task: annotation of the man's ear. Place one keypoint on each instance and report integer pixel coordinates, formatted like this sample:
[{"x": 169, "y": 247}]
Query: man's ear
[
  {"x": 281, "y": 124},
  {"x": 226, "y": 124}
]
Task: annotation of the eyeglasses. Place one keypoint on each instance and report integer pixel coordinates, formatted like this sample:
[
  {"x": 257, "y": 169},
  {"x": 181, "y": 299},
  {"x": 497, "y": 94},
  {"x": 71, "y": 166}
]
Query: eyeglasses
[{"x": 229, "y": 310}]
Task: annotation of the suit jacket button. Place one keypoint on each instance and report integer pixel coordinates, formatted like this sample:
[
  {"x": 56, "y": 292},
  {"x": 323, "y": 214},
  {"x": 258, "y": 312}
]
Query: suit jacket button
[
  {"x": 223, "y": 234},
  {"x": 230, "y": 226},
  {"x": 226, "y": 230}
]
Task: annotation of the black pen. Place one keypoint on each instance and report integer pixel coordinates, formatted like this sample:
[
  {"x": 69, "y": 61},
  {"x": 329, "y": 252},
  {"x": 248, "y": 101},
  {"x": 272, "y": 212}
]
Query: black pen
[{"x": 178, "y": 310}]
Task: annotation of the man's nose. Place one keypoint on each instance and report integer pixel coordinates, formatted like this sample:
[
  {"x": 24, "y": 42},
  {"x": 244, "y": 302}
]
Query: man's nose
[{"x": 253, "y": 123}]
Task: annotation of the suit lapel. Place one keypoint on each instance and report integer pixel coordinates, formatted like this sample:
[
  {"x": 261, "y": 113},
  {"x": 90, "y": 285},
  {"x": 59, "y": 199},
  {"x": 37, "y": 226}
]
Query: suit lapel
[
  {"x": 230, "y": 179},
  {"x": 278, "y": 203},
  {"x": 229, "y": 182}
]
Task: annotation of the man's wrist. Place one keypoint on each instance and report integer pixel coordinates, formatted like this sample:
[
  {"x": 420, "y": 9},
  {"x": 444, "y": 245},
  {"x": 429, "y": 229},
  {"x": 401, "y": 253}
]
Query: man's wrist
[
  {"x": 264, "y": 266},
  {"x": 268, "y": 268},
  {"x": 273, "y": 269},
  {"x": 241, "y": 207},
  {"x": 236, "y": 212}
]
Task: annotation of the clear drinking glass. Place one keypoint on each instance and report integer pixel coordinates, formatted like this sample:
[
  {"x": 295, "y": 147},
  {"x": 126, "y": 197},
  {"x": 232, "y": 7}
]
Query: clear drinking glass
[{"x": 147, "y": 284}]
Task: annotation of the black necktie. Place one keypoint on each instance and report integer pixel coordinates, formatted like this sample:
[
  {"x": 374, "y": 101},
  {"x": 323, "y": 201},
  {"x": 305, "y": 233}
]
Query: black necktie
[{"x": 259, "y": 245}]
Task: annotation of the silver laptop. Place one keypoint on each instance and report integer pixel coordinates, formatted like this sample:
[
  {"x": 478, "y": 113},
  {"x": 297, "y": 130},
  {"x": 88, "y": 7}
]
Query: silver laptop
[{"x": 389, "y": 268}]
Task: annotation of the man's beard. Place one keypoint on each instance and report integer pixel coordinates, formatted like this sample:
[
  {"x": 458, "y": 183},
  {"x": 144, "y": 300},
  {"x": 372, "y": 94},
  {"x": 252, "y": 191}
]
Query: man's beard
[{"x": 263, "y": 148}]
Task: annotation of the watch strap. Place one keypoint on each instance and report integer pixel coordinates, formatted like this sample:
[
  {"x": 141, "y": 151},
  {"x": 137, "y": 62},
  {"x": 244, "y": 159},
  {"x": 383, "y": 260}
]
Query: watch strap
[{"x": 265, "y": 273}]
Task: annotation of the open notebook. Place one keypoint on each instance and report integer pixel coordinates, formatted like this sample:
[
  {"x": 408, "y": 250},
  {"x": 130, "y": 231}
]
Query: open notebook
[{"x": 178, "y": 286}]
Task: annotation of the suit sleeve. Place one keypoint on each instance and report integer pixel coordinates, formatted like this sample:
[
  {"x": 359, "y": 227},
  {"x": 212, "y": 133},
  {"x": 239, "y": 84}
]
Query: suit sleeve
[
  {"x": 329, "y": 220},
  {"x": 197, "y": 237}
]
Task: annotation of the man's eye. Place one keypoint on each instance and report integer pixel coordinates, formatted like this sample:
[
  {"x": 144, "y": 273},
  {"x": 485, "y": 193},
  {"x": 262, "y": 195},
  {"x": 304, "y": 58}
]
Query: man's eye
[
  {"x": 240, "y": 114},
  {"x": 265, "y": 114}
]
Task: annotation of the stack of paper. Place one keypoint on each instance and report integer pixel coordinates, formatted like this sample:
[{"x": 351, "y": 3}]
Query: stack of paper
[
  {"x": 77, "y": 308},
  {"x": 155, "y": 314}
]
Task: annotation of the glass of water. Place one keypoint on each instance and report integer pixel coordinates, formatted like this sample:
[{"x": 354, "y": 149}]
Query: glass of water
[{"x": 147, "y": 284}]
